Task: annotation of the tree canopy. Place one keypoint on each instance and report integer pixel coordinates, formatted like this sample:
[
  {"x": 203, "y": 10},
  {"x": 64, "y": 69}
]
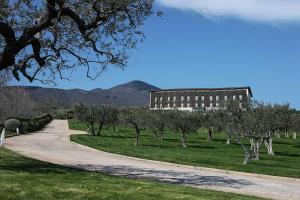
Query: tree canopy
[{"x": 45, "y": 39}]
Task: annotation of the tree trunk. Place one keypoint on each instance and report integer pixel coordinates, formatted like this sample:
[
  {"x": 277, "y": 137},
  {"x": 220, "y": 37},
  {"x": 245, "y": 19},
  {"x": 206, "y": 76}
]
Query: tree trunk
[
  {"x": 277, "y": 134},
  {"x": 269, "y": 145},
  {"x": 100, "y": 128},
  {"x": 183, "y": 139},
  {"x": 2, "y": 138},
  {"x": 252, "y": 143},
  {"x": 115, "y": 128},
  {"x": 161, "y": 136},
  {"x": 137, "y": 139},
  {"x": 92, "y": 128},
  {"x": 246, "y": 157},
  {"x": 256, "y": 149},
  {"x": 210, "y": 132},
  {"x": 287, "y": 134},
  {"x": 228, "y": 139}
]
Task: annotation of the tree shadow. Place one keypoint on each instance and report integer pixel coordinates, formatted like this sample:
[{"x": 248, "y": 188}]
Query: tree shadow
[
  {"x": 288, "y": 154},
  {"x": 169, "y": 176}
]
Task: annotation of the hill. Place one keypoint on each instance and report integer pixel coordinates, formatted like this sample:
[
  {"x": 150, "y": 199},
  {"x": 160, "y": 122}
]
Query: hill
[{"x": 134, "y": 93}]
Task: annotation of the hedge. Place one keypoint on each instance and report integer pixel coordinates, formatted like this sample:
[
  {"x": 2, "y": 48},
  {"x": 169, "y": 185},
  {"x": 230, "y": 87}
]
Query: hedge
[{"x": 34, "y": 124}]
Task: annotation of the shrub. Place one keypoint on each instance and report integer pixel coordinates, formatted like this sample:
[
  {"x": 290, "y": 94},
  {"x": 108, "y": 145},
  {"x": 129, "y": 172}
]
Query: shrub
[
  {"x": 35, "y": 124},
  {"x": 12, "y": 124}
]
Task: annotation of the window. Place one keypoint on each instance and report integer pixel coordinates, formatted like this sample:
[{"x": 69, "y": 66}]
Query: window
[
  {"x": 234, "y": 97},
  {"x": 174, "y": 98},
  {"x": 174, "y": 105},
  {"x": 160, "y": 98},
  {"x": 182, "y": 98},
  {"x": 217, "y": 105},
  {"x": 161, "y": 105},
  {"x": 202, "y": 105},
  {"x": 202, "y": 98},
  {"x": 188, "y": 105},
  {"x": 196, "y": 98},
  {"x": 168, "y": 105},
  {"x": 182, "y": 105},
  {"x": 241, "y": 97},
  {"x": 196, "y": 105},
  {"x": 225, "y": 98},
  {"x": 241, "y": 105},
  {"x": 155, "y": 99},
  {"x": 169, "y": 98},
  {"x": 211, "y": 98},
  {"x": 188, "y": 98},
  {"x": 217, "y": 98},
  {"x": 155, "y": 105},
  {"x": 211, "y": 105}
]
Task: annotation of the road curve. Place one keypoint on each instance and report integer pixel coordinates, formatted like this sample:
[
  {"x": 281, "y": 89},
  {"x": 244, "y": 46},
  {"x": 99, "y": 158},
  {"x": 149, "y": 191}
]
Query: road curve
[{"x": 53, "y": 145}]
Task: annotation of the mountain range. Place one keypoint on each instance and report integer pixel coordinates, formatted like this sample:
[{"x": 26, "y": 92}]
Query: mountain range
[{"x": 134, "y": 93}]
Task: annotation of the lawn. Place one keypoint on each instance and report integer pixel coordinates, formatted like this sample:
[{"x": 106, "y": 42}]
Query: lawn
[
  {"x": 24, "y": 178},
  {"x": 201, "y": 152}
]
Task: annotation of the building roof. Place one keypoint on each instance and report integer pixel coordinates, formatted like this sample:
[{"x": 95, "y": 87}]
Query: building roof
[{"x": 205, "y": 89}]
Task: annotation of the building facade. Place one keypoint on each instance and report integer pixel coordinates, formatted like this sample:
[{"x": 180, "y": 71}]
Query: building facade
[{"x": 198, "y": 98}]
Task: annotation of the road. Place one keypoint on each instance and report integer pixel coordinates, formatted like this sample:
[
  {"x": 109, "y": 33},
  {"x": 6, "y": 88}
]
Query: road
[{"x": 53, "y": 145}]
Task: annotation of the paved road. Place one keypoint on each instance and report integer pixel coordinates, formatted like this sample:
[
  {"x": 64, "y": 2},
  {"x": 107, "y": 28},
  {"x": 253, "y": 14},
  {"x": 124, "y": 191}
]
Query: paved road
[{"x": 53, "y": 145}]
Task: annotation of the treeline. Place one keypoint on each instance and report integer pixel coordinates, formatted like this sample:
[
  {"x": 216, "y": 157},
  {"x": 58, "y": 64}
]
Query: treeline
[{"x": 256, "y": 125}]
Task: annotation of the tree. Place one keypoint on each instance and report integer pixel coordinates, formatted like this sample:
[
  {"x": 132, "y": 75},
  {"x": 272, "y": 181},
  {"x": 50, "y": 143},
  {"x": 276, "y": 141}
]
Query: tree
[
  {"x": 157, "y": 121},
  {"x": 136, "y": 118},
  {"x": 231, "y": 118},
  {"x": 101, "y": 116},
  {"x": 43, "y": 39},
  {"x": 184, "y": 123},
  {"x": 87, "y": 114},
  {"x": 113, "y": 117},
  {"x": 213, "y": 120},
  {"x": 16, "y": 103},
  {"x": 295, "y": 124}
]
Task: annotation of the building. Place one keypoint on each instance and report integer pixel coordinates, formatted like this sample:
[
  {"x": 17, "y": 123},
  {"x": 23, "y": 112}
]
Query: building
[{"x": 198, "y": 98}]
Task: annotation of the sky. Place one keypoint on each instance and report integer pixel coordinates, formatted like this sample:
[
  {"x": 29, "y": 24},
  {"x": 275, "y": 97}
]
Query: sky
[{"x": 215, "y": 43}]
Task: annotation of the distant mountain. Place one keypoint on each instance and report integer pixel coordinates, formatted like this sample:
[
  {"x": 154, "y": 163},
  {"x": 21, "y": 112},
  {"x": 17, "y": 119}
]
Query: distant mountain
[{"x": 134, "y": 93}]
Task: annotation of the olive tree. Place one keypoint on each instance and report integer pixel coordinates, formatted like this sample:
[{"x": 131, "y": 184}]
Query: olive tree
[
  {"x": 156, "y": 122},
  {"x": 295, "y": 124},
  {"x": 113, "y": 117},
  {"x": 44, "y": 39},
  {"x": 87, "y": 114},
  {"x": 183, "y": 123},
  {"x": 136, "y": 118}
]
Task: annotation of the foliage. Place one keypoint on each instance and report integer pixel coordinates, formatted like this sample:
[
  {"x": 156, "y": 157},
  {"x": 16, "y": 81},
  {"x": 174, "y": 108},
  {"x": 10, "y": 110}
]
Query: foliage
[
  {"x": 184, "y": 123},
  {"x": 34, "y": 124},
  {"x": 15, "y": 102},
  {"x": 44, "y": 39},
  {"x": 136, "y": 118},
  {"x": 157, "y": 121},
  {"x": 12, "y": 124},
  {"x": 295, "y": 122}
]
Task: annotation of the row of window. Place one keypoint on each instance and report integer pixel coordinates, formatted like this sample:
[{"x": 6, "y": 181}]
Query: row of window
[
  {"x": 188, "y": 98},
  {"x": 188, "y": 105}
]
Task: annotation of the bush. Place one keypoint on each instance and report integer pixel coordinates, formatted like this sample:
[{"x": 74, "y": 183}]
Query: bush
[
  {"x": 63, "y": 114},
  {"x": 12, "y": 124},
  {"x": 35, "y": 124}
]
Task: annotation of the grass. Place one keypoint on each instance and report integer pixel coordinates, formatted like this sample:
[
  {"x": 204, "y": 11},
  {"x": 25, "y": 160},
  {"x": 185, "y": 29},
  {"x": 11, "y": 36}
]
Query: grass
[
  {"x": 24, "y": 178},
  {"x": 201, "y": 152}
]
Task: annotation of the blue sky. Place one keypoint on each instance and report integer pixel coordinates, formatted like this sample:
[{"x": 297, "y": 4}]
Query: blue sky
[{"x": 184, "y": 48}]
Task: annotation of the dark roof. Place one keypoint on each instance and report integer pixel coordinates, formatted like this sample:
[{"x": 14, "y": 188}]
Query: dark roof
[{"x": 209, "y": 89}]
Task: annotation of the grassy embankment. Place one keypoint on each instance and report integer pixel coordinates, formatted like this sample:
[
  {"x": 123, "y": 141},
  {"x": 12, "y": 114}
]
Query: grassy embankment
[
  {"x": 24, "y": 178},
  {"x": 201, "y": 152}
]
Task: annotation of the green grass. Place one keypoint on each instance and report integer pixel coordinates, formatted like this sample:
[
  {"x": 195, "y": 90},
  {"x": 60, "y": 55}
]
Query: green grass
[
  {"x": 24, "y": 178},
  {"x": 201, "y": 152}
]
